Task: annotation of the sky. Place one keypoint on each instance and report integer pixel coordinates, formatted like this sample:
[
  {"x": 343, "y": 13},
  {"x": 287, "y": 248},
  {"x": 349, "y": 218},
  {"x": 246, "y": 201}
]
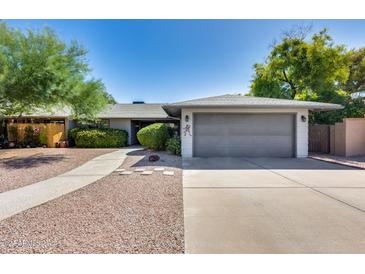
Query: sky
[{"x": 164, "y": 61}]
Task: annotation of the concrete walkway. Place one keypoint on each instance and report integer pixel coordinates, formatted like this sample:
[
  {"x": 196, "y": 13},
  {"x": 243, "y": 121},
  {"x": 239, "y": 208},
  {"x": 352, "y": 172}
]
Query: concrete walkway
[{"x": 18, "y": 200}]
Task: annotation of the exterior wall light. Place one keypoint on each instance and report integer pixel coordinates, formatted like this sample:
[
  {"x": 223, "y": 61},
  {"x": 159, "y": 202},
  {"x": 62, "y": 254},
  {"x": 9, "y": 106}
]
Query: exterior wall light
[
  {"x": 187, "y": 118},
  {"x": 304, "y": 119}
]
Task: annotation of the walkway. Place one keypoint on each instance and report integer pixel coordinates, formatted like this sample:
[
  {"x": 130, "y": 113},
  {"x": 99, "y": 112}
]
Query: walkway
[{"x": 18, "y": 200}]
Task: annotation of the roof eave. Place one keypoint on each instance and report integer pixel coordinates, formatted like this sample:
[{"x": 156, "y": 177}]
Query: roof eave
[
  {"x": 133, "y": 117},
  {"x": 175, "y": 110}
]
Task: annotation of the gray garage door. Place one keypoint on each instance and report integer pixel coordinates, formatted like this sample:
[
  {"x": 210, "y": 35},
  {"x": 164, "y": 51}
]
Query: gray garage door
[{"x": 247, "y": 135}]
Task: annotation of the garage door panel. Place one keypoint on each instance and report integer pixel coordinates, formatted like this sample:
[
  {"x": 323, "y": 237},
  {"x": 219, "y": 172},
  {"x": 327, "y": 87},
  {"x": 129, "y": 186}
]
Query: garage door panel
[
  {"x": 244, "y": 151},
  {"x": 237, "y": 135},
  {"x": 238, "y": 140}
]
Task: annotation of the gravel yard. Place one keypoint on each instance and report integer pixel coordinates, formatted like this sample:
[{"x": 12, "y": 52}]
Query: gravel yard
[
  {"x": 117, "y": 214},
  {"x": 20, "y": 167}
]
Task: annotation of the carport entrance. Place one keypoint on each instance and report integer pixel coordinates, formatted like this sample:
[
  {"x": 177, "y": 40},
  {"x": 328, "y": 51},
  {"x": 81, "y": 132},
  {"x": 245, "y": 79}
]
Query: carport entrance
[{"x": 244, "y": 135}]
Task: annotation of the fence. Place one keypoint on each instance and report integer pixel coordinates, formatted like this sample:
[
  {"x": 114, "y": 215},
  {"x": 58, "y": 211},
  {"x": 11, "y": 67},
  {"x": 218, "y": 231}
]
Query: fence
[
  {"x": 55, "y": 133},
  {"x": 346, "y": 138},
  {"x": 319, "y": 138}
]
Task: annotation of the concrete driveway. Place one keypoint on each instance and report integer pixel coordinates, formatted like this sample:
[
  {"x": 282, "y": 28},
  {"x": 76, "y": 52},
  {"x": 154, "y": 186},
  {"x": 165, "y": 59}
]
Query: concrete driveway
[{"x": 262, "y": 205}]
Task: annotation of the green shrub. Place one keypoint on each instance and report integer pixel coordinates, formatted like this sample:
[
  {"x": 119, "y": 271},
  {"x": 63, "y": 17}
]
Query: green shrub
[
  {"x": 43, "y": 136},
  {"x": 174, "y": 145},
  {"x": 100, "y": 138},
  {"x": 154, "y": 136},
  {"x": 72, "y": 135},
  {"x": 73, "y": 132},
  {"x": 28, "y": 135}
]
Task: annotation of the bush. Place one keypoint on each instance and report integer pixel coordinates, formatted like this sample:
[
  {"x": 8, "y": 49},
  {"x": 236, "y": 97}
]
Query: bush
[
  {"x": 100, "y": 138},
  {"x": 43, "y": 136},
  {"x": 28, "y": 136},
  {"x": 174, "y": 145},
  {"x": 72, "y": 135},
  {"x": 154, "y": 136}
]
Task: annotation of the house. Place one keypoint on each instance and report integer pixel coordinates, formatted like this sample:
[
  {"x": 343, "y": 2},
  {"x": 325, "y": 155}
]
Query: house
[
  {"x": 129, "y": 117},
  {"x": 222, "y": 126},
  {"x": 237, "y": 125},
  {"x": 132, "y": 117}
]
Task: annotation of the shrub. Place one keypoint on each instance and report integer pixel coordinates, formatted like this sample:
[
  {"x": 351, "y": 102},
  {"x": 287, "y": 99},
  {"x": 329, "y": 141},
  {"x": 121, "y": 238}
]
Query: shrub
[
  {"x": 36, "y": 136},
  {"x": 28, "y": 135},
  {"x": 154, "y": 136},
  {"x": 100, "y": 138},
  {"x": 73, "y": 132},
  {"x": 43, "y": 136},
  {"x": 174, "y": 145},
  {"x": 72, "y": 135}
]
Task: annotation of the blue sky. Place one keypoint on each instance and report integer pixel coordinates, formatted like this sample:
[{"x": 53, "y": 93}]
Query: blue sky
[{"x": 173, "y": 60}]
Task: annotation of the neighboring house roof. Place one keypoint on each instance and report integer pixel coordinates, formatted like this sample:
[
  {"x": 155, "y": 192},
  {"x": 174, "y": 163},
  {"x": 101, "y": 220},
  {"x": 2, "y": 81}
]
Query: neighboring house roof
[
  {"x": 129, "y": 111},
  {"x": 135, "y": 111},
  {"x": 242, "y": 101},
  {"x": 56, "y": 113}
]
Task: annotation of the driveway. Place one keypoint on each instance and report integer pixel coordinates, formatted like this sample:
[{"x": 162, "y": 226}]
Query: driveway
[{"x": 262, "y": 205}]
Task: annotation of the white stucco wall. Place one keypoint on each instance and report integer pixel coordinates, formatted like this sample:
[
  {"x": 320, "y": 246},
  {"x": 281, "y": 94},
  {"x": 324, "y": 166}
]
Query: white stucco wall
[
  {"x": 121, "y": 123},
  {"x": 301, "y": 127}
]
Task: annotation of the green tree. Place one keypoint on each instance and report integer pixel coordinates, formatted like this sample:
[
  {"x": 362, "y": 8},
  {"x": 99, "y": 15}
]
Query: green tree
[
  {"x": 314, "y": 69},
  {"x": 356, "y": 79},
  {"x": 38, "y": 71}
]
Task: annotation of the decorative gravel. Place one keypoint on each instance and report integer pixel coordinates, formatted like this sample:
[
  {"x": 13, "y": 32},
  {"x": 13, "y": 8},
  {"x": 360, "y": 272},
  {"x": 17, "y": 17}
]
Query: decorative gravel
[
  {"x": 20, "y": 167},
  {"x": 117, "y": 214}
]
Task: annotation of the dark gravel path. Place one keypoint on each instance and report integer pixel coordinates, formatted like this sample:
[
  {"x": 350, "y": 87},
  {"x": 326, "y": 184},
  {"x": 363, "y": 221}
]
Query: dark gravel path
[
  {"x": 117, "y": 214},
  {"x": 21, "y": 167}
]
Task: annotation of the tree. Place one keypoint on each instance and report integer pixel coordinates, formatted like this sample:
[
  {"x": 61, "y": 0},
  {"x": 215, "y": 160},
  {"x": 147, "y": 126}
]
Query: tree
[
  {"x": 315, "y": 70},
  {"x": 356, "y": 79},
  {"x": 38, "y": 71}
]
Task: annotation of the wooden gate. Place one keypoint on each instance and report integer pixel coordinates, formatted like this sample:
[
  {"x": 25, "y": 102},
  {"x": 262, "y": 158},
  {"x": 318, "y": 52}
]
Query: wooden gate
[
  {"x": 319, "y": 138},
  {"x": 55, "y": 132}
]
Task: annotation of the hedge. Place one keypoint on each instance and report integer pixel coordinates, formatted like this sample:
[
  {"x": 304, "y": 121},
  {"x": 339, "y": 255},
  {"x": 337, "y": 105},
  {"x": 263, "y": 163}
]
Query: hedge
[
  {"x": 99, "y": 138},
  {"x": 154, "y": 136}
]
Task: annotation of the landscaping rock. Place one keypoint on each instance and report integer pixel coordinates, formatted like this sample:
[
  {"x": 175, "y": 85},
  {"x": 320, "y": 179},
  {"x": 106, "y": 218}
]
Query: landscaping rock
[
  {"x": 147, "y": 172},
  {"x": 154, "y": 158},
  {"x": 168, "y": 173},
  {"x": 126, "y": 173},
  {"x": 117, "y": 214}
]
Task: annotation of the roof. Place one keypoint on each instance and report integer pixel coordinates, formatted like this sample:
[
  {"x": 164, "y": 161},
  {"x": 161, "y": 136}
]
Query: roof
[
  {"x": 134, "y": 111},
  {"x": 55, "y": 113},
  {"x": 242, "y": 101},
  {"x": 165, "y": 111},
  {"x": 129, "y": 111}
]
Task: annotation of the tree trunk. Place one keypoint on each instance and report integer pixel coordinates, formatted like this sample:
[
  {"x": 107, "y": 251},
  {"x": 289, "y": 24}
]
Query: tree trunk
[{"x": 294, "y": 90}]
